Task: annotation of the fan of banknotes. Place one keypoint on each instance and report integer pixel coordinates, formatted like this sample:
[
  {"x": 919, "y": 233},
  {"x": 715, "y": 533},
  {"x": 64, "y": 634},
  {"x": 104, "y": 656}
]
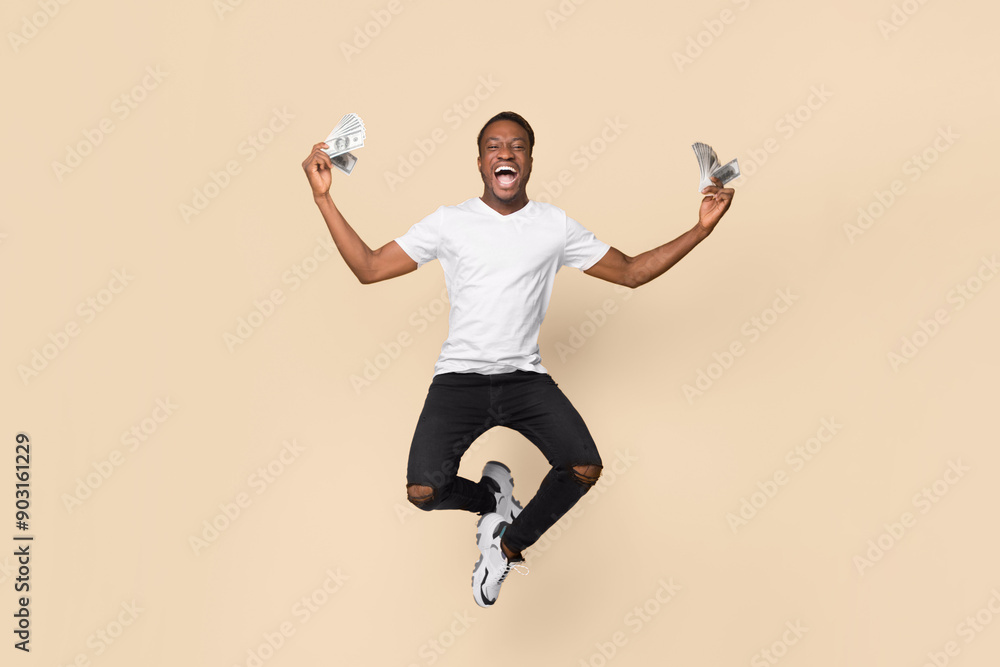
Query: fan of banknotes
[
  {"x": 348, "y": 135},
  {"x": 708, "y": 162}
]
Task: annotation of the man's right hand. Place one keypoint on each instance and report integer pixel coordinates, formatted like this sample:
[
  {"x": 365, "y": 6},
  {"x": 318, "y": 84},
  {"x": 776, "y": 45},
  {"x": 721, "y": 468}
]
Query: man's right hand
[{"x": 318, "y": 169}]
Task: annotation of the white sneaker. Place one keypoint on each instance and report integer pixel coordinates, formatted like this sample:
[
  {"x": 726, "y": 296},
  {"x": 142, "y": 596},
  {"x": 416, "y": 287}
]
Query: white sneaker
[
  {"x": 507, "y": 507},
  {"x": 492, "y": 567}
]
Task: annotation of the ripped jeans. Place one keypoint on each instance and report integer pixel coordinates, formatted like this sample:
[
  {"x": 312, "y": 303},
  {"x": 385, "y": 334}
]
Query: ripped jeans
[{"x": 462, "y": 406}]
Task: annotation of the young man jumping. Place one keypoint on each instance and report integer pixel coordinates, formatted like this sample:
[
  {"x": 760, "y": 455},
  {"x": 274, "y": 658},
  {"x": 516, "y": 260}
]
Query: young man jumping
[{"x": 500, "y": 253}]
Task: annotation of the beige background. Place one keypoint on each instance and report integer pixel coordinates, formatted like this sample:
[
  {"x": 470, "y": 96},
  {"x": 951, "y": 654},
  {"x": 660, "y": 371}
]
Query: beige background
[{"x": 396, "y": 580}]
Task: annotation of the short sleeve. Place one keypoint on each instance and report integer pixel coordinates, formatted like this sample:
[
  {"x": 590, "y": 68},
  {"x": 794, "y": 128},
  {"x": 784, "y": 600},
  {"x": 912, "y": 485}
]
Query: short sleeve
[
  {"x": 421, "y": 241},
  {"x": 583, "y": 249}
]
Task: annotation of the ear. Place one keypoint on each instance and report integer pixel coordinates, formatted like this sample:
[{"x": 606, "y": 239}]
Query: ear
[{"x": 479, "y": 164}]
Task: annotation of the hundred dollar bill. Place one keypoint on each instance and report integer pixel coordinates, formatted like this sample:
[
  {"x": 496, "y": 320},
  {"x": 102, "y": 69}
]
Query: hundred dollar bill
[
  {"x": 344, "y": 162},
  {"x": 338, "y": 145},
  {"x": 348, "y": 135},
  {"x": 708, "y": 164},
  {"x": 349, "y": 124},
  {"x": 727, "y": 172}
]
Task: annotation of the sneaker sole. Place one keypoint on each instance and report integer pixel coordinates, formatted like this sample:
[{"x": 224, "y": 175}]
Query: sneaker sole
[
  {"x": 514, "y": 508},
  {"x": 484, "y": 543}
]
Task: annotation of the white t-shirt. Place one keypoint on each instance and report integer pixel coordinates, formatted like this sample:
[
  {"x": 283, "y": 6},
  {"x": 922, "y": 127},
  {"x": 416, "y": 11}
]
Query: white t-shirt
[{"x": 499, "y": 271}]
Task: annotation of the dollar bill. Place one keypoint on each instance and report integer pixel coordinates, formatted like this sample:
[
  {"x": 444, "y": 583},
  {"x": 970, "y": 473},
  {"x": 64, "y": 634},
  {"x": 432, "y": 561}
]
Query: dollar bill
[
  {"x": 708, "y": 164},
  {"x": 348, "y": 135},
  {"x": 339, "y": 145},
  {"x": 344, "y": 162},
  {"x": 728, "y": 171},
  {"x": 349, "y": 124}
]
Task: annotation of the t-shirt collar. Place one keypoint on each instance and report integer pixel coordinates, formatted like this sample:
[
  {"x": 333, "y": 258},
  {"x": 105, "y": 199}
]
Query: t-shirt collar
[{"x": 527, "y": 210}]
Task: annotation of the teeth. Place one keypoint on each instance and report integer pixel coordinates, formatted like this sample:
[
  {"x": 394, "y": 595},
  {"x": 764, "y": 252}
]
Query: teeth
[{"x": 505, "y": 168}]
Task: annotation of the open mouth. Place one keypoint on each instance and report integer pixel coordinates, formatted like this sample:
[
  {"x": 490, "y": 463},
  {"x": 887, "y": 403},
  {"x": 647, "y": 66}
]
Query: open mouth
[{"x": 505, "y": 174}]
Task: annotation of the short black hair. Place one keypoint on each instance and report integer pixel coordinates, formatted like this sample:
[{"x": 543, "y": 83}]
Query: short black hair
[{"x": 508, "y": 115}]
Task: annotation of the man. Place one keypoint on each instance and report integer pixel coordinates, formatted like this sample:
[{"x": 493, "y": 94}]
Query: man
[{"x": 500, "y": 253}]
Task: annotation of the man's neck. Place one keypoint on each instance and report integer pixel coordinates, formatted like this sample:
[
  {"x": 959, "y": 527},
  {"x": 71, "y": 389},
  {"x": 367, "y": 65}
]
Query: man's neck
[{"x": 505, "y": 208}]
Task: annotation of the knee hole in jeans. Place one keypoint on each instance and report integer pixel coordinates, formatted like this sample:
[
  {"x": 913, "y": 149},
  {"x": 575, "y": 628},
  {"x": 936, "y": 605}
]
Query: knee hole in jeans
[
  {"x": 419, "y": 495},
  {"x": 587, "y": 475}
]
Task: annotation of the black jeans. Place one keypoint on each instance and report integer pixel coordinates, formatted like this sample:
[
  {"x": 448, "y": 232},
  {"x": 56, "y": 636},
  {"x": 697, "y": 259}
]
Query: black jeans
[{"x": 462, "y": 406}]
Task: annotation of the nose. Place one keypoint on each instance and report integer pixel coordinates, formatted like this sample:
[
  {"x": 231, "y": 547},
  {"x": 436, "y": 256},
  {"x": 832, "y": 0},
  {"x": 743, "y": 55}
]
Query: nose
[{"x": 504, "y": 152}]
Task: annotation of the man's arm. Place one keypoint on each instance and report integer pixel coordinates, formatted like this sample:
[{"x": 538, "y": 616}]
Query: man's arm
[
  {"x": 619, "y": 268},
  {"x": 369, "y": 266}
]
